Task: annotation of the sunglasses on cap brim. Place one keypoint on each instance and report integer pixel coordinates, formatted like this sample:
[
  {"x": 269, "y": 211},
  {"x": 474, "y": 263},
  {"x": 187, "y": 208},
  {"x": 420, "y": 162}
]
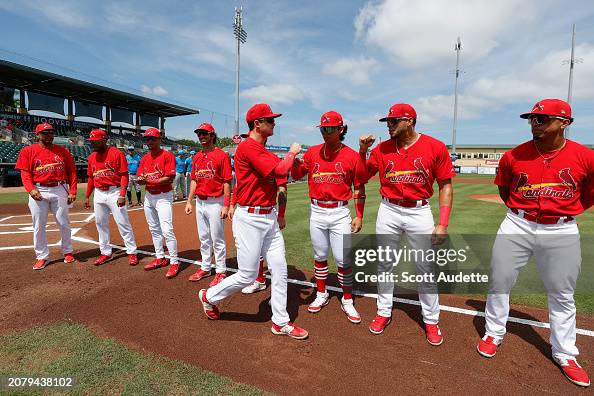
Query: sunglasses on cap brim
[{"x": 539, "y": 119}]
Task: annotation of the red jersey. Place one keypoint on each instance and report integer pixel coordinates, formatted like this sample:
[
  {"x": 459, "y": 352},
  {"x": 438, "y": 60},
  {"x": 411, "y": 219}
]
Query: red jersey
[
  {"x": 254, "y": 171},
  {"x": 211, "y": 171},
  {"x": 46, "y": 165},
  {"x": 154, "y": 167},
  {"x": 409, "y": 173},
  {"x": 332, "y": 178},
  {"x": 107, "y": 168},
  {"x": 547, "y": 187}
]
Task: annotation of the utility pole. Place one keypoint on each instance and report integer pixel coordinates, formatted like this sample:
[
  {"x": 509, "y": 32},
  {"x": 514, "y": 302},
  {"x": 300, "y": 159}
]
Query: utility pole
[
  {"x": 571, "y": 63},
  {"x": 240, "y": 36},
  {"x": 457, "y": 48}
]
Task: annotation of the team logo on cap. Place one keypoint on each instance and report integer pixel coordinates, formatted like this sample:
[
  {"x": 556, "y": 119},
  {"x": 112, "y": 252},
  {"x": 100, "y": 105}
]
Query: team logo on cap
[
  {"x": 538, "y": 106},
  {"x": 337, "y": 177},
  {"x": 39, "y": 168},
  {"x": 561, "y": 190},
  {"x": 419, "y": 175}
]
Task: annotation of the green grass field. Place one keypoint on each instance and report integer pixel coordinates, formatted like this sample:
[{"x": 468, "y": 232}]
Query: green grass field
[{"x": 104, "y": 366}]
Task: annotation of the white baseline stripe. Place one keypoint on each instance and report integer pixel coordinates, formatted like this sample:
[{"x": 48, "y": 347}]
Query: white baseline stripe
[
  {"x": 6, "y": 218},
  {"x": 470, "y": 312}
]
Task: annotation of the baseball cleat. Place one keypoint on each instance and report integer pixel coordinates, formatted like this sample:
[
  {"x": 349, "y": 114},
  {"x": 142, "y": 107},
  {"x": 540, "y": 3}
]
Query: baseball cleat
[
  {"x": 40, "y": 264},
  {"x": 322, "y": 299},
  {"x": 102, "y": 259},
  {"x": 217, "y": 279},
  {"x": 156, "y": 263},
  {"x": 200, "y": 274},
  {"x": 132, "y": 259},
  {"x": 433, "y": 334},
  {"x": 211, "y": 311},
  {"x": 290, "y": 330},
  {"x": 173, "y": 271},
  {"x": 254, "y": 287},
  {"x": 573, "y": 371},
  {"x": 68, "y": 258},
  {"x": 348, "y": 307},
  {"x": 487, "y": 346},
  {"x": 379, "y": 323}
]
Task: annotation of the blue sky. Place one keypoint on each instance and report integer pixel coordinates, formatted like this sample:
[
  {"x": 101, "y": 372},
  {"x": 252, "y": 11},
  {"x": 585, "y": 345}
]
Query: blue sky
[{"x": 308, "y": 57}]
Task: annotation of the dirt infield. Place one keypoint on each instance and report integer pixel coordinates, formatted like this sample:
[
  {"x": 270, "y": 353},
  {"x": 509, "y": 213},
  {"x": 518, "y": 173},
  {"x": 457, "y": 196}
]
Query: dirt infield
[
  {"x": 494, "y": 198},
  {"x": 148, "y": 312}
]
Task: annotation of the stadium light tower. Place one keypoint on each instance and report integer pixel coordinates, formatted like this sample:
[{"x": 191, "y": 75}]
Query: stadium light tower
[
  {"x": 457, "y": 48},
  {"x": 240, "y": 36},
  {"x": 571, "y": 63}
]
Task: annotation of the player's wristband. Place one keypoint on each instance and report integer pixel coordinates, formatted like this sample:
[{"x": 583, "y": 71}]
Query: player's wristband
[
  {"x": 227, "y": 200},
  {"x": 360, "y": 207},
  {"x": 444, "y": 215},
  {"x": 281, "y": 210},
  {"x": 123, "y": 191}
]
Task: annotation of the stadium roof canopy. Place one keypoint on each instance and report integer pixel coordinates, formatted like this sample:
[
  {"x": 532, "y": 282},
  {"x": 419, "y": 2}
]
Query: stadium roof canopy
[{"x": 17, "y": 76}]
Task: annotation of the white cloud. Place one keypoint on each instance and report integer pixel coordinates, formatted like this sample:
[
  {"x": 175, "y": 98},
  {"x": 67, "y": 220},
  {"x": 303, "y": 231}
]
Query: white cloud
[
  {"x": 422, "y": 33},
  {"x": 154, "y": 91},
  {"x": 69, "y": 13},
  {"x": 273, "y": 94},
  {"x": 547, "y": 78},
  {"x": 357, "y": 71}
]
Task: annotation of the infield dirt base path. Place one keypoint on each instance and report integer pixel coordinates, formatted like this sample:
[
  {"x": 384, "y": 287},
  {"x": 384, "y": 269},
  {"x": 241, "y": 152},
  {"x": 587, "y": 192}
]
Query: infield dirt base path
[{"x": 148, "y": 312}]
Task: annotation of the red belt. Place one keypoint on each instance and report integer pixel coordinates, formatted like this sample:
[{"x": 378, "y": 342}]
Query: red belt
[
  {"x": 406, "y": 203},
  {"x": 104, "y": 188},
  {"x": 205, "y": 197},
  {"x": 542, "y": 219},
  {"x": 53, "y": 184},
  {"x": 156, "y": 192},
  {"x": 260, "y": 209},
  {"x": 329, "y": 204}
]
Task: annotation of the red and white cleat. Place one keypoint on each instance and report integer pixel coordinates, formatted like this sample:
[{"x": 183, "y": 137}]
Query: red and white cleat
[
  {"x": 102, "y": 259},
  {"x": 322, "y": 299},
  {"x": 290, "y": 330},
  {"x": 379, "y": 323},
  {"x": 254, "y": 288},
  {"x": 200, "y": 274},
  {"x": 573, "y": 371},
  {"x": 132, "y": 259},
  {"x": 217, "y": 279},
  {"x": 40, "y": 264},
  {"x": 487, "y": 346},
  {"x": 211, "y": 311},
  {"x": 348, "y": 307},
  {"x": 156, "y": 263},
  {"x": 173, "y": 271},
  {"x": 68, "y": 258},
  {"x": 433, "y": 334}
]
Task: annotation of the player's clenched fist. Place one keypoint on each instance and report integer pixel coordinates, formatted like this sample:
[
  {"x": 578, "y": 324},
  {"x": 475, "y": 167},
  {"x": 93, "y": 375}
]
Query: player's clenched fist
[
  {"x": 295, "y": 148},
  {"x": 188, "y": 208},
  {"x": 36, "y": 195},
  {"x": 365, "y": 142}
]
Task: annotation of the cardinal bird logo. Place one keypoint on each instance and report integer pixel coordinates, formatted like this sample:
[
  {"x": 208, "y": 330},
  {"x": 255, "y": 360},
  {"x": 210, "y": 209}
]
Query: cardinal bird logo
[
  {"x": 568, "y": 180},
  {"x": 208, "y": 173},
  {"x": 419, "y": 175},
  {"x": 155, "y": 175},
  {"x": 564, "y": 190},
  {"x": 339, "y": 169},
  {"x": 40, "y": 168},
  {"x": 105, "y": 172},
  {"x": 522, "y": 181},
  {"x": 418, "y": 163}
]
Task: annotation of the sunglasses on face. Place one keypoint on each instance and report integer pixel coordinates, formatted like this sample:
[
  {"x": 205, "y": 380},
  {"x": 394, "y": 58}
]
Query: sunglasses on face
[
  {"x": 50, "y": 132},
  {"x": 202, "y": 133},
  {"x": 541, "y": 119},
  {"x": 394, "y": 121},
  {"x": 151, "y": 139},
  {"x": 267, "y": 120},
  {"x": 327, "y": 130}
]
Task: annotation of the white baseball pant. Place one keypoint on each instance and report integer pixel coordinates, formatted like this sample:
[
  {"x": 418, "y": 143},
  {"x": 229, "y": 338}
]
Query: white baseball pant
[
  {"x": 417, "y": 223},
  {"x": 556, "y": 248},
  {"x": 180, "y": 180},
  {"x": 105, "y": 202},
  {"x": 255, "y": 234},
  {"x": 211, "y": 231},
  {"x": 159, "y": 216},
  {"x": 55, "y": 199},
  {"x": 327, "y": 226},
  {"x": 133, "y": 183}
]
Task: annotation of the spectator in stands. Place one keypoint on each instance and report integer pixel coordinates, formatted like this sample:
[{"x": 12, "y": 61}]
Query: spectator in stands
[
  {"x": 180, "y": 175},
  {"x": 133, "y": 158}
]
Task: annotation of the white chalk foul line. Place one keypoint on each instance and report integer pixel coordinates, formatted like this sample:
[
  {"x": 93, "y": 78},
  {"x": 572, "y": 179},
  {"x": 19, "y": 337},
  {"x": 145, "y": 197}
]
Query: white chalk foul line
[{"x": 447, "y": 308}]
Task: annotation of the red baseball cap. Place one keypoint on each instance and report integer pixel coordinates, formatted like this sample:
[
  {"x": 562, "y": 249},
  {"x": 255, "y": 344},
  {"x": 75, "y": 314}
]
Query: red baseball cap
[
  {"x": 400, "y": 110},
  {"x": 260, "y": 110},
  {"x": 44, "y": 127},
  {"x": 205, "y": 126},
  {"x": 551, "y": 107},
  {"x": 331, "y": 118},
  {"x": 97, "y": 134},
  {"x": 152, "y": 132}
]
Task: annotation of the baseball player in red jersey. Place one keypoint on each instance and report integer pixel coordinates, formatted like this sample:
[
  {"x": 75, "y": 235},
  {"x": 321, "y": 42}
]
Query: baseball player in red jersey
[
  {"x": 333, "y": 170},
  {"x": 408, "y": 164},
  {"x": 49, "y": 176},
  {"x": 156, "y": 171},
  {"x": 545, "y": 183},
  {"x": 255, "y": 225},
  {"x": 108, "y": 177},
  {"x": 211, "y": 184}
]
